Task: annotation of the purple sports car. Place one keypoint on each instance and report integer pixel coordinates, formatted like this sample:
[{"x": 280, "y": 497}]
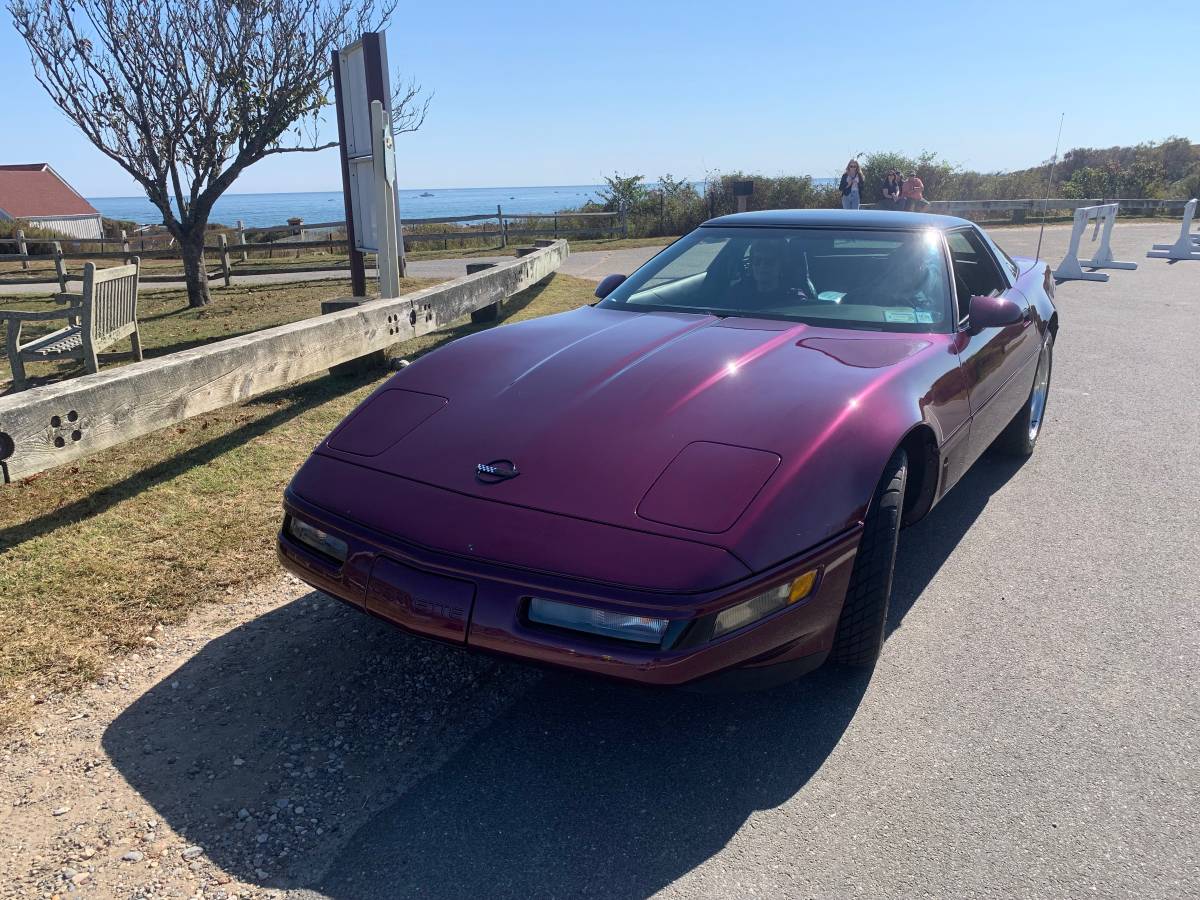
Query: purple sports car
[{"x": 701, "y": 476}]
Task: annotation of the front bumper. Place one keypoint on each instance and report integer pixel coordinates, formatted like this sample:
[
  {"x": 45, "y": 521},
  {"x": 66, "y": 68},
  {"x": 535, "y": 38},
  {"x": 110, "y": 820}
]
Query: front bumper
[{"x": 482, "y": 606}]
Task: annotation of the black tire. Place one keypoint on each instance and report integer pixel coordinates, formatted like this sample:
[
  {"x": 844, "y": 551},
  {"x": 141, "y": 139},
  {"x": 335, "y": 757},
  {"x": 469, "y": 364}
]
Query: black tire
[
  {"x": 1019, "y": 436},
  {"x": 859, "y": 637}
]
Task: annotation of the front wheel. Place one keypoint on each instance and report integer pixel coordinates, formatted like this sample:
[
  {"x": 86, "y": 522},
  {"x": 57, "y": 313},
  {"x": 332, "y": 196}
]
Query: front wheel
[
  {"x": 858, "y": 640},
  {"x": 1020, "y": 435}
]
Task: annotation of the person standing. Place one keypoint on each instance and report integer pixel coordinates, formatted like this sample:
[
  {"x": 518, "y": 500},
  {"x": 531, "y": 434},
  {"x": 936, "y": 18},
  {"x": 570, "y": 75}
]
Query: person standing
[
  {"x": 892, "y": 186},
  {"x": 913, "y": 194},
  {"x": 851, "y": 185}
]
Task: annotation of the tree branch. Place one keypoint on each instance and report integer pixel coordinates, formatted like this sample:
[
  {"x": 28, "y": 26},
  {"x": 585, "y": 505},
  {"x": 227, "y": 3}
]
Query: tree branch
[
  {"x": 408, "y": 107},
  {"x": 184, "y": 95},
  {"x": 299, "y": 149}
]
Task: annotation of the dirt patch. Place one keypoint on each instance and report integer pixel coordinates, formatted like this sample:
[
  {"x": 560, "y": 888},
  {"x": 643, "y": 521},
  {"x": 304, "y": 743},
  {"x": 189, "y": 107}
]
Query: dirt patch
[{"x": 227, "y": 759}]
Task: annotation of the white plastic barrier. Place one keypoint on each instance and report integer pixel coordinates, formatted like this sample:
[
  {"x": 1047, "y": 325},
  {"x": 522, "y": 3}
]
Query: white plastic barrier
[
  {"x": 1071, "y": 268},
  {"x": 1188, "y": 245}
]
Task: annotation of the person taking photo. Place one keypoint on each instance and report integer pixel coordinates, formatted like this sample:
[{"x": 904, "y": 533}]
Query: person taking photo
[{"x": 851, "y": 185}]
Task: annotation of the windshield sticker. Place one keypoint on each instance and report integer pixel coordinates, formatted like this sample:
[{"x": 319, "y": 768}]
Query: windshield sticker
[
  {"x": 923, "y": 316},
  {"x": 899, "y": 315}
]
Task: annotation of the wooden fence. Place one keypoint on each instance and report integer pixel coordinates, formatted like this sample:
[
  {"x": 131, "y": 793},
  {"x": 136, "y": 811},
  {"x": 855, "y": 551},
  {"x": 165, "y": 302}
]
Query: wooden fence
[
  {"x": 1018, "y": 211},
  {"x": 54, "y": 424},
  {"x": 507, "y": 226}
]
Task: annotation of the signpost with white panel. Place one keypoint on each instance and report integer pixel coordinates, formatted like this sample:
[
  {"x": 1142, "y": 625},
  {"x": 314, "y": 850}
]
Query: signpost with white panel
[{"x": 360, "y": 80}]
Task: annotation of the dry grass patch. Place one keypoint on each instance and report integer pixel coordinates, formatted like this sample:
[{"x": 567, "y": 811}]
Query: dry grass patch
[{"x": 94, "y": 554}]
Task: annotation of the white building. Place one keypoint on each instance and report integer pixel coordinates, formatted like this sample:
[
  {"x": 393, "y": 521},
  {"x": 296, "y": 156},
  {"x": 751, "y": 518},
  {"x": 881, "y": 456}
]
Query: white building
[{"x": 37, "y": 194}]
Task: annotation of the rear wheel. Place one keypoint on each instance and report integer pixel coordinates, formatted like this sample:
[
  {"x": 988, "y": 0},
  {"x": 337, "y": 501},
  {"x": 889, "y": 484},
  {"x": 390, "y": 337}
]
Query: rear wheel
[
  {"x": 859, "y": 637},
  {"x": 1020, "y": 435}
]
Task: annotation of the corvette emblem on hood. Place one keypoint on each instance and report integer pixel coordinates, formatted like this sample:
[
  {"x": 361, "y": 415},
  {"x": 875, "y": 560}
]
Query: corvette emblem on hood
[{"x": 495, "y": 471}]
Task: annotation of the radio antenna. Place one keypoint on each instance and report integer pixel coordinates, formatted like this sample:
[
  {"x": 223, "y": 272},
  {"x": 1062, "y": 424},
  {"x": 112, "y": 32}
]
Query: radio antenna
[{"x": 1049, "y": 187}]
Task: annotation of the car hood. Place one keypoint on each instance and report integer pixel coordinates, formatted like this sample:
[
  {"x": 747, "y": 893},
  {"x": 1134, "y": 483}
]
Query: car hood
[{"x": 682, "y": 424}]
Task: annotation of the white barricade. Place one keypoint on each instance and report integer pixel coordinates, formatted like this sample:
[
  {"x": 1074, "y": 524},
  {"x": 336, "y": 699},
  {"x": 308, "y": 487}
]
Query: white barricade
[
  {"x": 1071, "y": 268},
  {"x": 1188, "y": 245}
]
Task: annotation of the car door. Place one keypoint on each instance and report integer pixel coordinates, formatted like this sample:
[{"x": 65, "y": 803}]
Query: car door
[{"x": 997, "y": 362}]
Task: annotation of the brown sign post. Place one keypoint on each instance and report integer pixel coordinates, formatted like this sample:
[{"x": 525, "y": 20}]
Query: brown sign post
[{"x": 743, "y": 191}]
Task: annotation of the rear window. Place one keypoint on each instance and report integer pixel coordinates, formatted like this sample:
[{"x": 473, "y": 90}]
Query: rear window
[{"x": 878, "y": 280}]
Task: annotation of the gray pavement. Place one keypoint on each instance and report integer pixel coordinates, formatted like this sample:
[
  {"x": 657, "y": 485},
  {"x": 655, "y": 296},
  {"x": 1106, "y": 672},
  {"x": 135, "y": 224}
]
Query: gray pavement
[{"x": 1032, "y": 730}]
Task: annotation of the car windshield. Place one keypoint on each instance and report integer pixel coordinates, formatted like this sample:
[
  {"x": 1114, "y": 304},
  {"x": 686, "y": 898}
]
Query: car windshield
[{"x": 839, "y": 278}]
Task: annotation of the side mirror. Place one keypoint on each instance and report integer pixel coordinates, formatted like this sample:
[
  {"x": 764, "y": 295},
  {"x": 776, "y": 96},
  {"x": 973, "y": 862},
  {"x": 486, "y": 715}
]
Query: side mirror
[
  {"x": 994, "y": 312},
  {"x": 608, "y": 285}
]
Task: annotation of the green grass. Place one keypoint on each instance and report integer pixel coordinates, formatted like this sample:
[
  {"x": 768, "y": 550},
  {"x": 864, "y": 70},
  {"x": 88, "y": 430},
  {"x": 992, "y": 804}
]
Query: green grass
[
  {"x": 169, "y": 325},
  {"x": 95, "y": 553}
]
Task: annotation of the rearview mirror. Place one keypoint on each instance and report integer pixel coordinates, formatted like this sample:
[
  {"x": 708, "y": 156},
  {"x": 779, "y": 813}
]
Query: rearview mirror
[
  {"x": 994, "y": 312},
  {"x": 608, "y": 285}
]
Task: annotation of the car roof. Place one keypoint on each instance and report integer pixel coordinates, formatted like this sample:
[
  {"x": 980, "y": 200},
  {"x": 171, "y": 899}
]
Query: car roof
[{"x": 837, "y": 218}]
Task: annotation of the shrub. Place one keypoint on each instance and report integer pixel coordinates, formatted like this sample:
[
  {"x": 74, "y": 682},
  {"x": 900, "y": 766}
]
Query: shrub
[
  {"x": 38, "y": 241},
  {"x": 1167, "y": 169}
]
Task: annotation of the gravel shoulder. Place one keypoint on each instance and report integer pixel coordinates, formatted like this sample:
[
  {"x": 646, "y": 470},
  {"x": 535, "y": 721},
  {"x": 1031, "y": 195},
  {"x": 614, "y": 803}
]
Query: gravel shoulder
[{"x": 220, "y": 761}]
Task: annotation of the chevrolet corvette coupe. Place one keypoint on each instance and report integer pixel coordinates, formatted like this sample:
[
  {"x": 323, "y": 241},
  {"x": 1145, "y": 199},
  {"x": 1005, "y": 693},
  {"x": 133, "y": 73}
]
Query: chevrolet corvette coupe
[{"x": 701, "y": 477}]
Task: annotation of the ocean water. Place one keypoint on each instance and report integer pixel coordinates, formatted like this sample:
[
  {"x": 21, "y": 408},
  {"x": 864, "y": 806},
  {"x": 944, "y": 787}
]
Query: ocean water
[{"x": 258, "y": 210}]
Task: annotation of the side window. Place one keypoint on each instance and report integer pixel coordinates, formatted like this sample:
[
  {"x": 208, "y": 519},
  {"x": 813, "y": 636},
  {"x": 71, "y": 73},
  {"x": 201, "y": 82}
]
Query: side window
[
  {"x": 975, "y": 271},
  {"x": 1007, "y": 260}
]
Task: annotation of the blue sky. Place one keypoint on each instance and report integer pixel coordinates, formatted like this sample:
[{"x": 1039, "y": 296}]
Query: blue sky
[{"x": 563, "y": 93}]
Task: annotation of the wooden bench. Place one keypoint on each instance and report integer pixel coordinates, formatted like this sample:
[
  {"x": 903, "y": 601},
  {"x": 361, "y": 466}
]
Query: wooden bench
[{"x": 99, "y": 316}]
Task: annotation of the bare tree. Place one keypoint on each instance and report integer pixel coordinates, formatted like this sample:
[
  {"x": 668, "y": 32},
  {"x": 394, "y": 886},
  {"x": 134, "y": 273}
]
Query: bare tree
[
  {"x": 185, "y": 94},
  {"x": 409, "y": 108}
]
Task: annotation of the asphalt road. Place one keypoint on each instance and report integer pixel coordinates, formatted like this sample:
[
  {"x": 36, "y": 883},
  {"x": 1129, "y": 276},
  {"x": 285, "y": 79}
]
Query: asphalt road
[{"x": 1032, "y": 730}]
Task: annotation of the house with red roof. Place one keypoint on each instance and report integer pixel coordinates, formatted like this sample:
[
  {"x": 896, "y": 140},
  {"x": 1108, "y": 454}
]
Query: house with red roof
[{"x": 37, "y": 194}]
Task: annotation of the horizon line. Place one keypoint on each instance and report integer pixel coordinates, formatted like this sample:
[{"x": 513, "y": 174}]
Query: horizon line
[{"x": 338, "y": 190}]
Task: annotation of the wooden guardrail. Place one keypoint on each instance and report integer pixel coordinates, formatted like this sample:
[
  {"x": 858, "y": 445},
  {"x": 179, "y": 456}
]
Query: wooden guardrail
[{"x": 57, "y": 423}]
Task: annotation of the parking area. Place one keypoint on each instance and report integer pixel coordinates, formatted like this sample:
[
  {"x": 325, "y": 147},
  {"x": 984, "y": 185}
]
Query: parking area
[{"x": 1032, "y": 730}]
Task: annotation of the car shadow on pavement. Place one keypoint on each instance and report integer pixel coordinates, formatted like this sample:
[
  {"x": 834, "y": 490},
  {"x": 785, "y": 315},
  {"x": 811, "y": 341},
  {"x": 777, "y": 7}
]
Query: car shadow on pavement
[
  {"x": 317, "y": 748},
  {"x": 585, "y": 788}
]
